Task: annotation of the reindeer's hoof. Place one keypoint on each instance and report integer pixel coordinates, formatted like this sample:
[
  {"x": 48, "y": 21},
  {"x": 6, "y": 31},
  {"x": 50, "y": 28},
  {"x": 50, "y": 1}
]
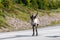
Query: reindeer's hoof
[
  {"x": 33, "y": 35},
  {"x": 36, "y": 34}
]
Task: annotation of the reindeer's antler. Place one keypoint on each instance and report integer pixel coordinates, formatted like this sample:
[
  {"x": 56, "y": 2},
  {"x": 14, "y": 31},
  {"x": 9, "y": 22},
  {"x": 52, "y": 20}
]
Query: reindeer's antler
[{"x": 37, "y": 12}]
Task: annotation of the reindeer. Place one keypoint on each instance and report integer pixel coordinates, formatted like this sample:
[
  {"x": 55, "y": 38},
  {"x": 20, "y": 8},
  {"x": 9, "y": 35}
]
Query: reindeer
[{"x": 34, "y": 23}]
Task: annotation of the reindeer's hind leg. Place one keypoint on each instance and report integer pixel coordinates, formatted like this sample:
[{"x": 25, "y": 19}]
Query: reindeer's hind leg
[{"x": 36, "y": 30}]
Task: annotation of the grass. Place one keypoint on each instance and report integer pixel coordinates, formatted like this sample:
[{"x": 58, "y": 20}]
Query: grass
[
  {"x": 54, "y": 23},
  {"x": 3, "y": 22},
  {"x": 23, "y": 16}
]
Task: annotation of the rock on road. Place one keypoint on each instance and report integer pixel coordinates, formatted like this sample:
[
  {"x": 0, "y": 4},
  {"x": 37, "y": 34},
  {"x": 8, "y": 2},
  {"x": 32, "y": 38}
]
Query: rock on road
[{"x": 47, "y": 33}]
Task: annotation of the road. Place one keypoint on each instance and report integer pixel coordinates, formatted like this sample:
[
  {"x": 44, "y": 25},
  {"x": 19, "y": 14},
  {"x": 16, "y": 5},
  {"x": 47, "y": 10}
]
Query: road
[{"x": 47, "y": 33}]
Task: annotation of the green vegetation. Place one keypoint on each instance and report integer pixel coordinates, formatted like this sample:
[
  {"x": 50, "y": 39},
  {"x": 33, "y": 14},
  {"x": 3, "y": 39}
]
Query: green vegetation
[
  {"x": 40, "y": 4},
  {"x": 22, "y": 8},
  {"x": 55, "y": 22},
  {"x": 3, "y": 22}
]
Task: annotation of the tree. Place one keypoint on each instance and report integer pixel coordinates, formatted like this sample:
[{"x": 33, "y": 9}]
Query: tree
[
  {"x": 7, "y": 3},
  {"x": 34, "y": 4}
]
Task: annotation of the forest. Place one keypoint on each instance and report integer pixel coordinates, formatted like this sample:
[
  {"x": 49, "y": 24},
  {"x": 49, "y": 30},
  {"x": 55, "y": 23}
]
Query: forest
[{"x": 40, "y": 4}]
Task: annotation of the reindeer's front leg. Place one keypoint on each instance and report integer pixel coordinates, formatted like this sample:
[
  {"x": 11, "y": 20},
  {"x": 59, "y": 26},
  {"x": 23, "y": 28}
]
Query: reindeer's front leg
[{"x": 33, "y": 30}]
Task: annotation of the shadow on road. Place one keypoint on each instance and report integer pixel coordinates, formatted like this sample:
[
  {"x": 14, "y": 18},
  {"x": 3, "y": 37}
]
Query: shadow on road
[
  {"x": 16, "y": 36},
  {"x": 52, "y": 36}
]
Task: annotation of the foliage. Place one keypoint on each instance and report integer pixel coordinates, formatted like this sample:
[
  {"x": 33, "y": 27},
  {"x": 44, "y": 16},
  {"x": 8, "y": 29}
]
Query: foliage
[{"x": 41, "y": 4}]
